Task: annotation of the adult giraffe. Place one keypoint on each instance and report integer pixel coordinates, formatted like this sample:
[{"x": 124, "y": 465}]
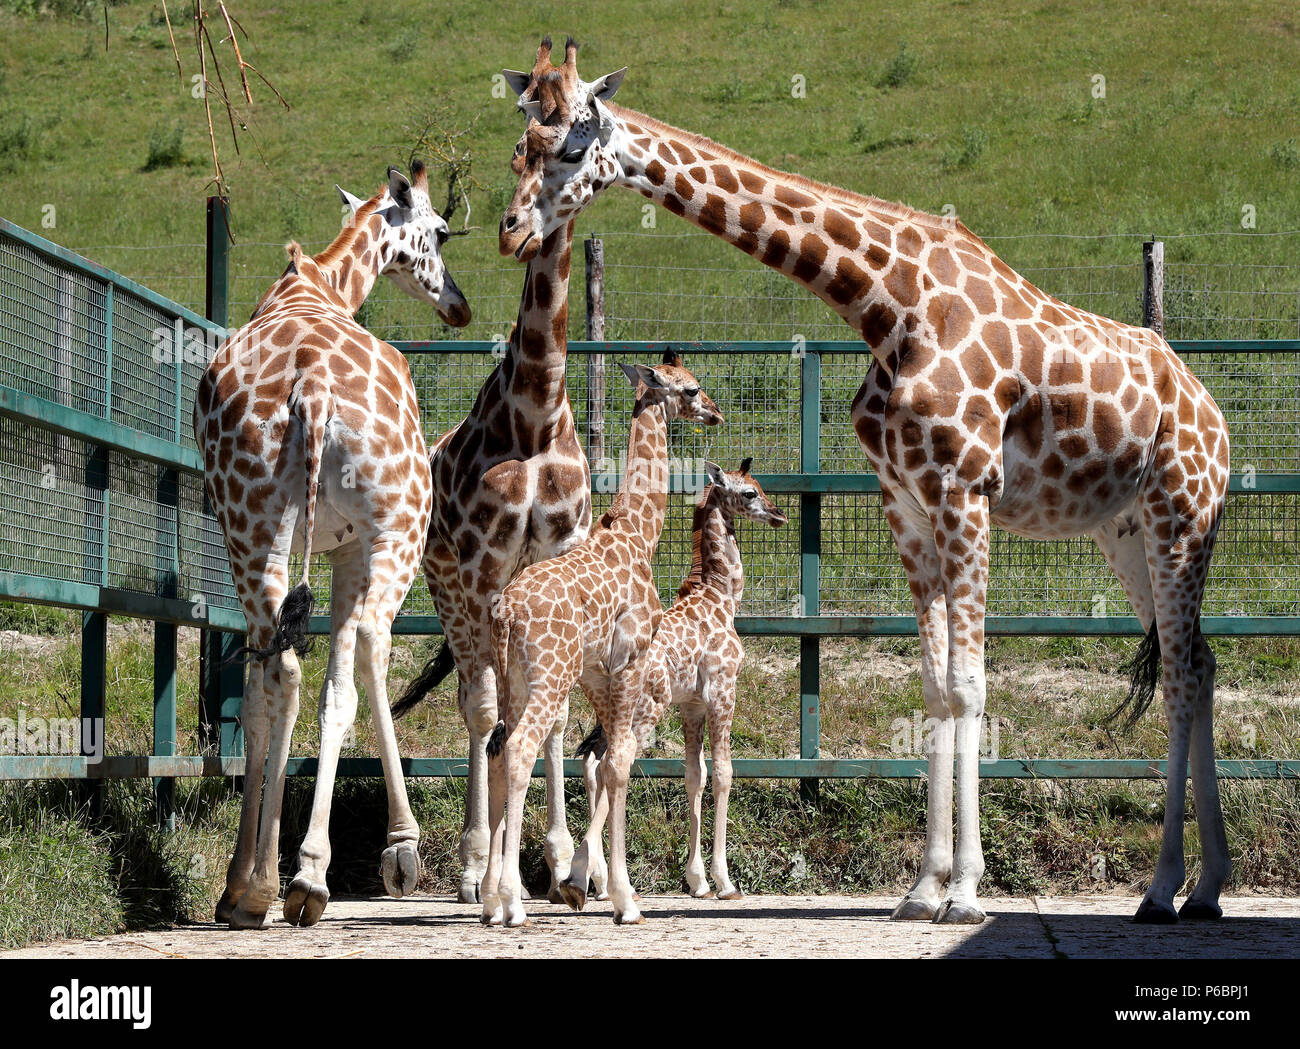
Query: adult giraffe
[
  {"x": 988, "y": 402},
  {"x": 310, "y": 434},
  {"x": 512, "y": 486}
]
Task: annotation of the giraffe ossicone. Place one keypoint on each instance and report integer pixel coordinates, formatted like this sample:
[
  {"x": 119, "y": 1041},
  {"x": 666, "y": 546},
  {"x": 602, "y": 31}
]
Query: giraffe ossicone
[
  {"x": 989, "y": 402},
  {"x": 310, "y": 434}
]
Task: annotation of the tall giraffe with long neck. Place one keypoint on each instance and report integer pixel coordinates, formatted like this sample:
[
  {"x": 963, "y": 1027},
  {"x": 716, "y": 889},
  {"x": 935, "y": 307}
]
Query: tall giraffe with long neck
[
  {"x": 310, "y": 434},
  {"x": 512, "y": 486},
  {"x": 988, "y": 403}
]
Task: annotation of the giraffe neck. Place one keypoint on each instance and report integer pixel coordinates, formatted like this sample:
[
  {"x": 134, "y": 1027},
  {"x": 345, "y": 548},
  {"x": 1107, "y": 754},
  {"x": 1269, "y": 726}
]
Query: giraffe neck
[
  {"x": 350, "y": 266},
  {"x": 531, "y": 377},
  {"x": 857, "y": 254},
  {"x": 715, "y": 559},
  {"x": 643, "y": 496}
]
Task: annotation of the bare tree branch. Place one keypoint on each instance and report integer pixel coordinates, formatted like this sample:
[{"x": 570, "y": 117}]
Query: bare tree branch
[{"x": 442, "y": 146}]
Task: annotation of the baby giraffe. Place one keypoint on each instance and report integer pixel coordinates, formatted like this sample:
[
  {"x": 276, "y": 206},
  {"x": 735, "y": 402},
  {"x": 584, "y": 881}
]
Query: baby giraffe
[
  {"x": 693, "y": 664},
  {"x": 585, "y": 617}
]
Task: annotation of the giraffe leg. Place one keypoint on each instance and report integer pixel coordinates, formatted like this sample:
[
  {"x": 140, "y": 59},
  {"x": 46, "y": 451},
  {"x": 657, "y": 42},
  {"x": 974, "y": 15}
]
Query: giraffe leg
[
  {"x": 285, "y": 674},
  {"x": 1216, "y": 866},
  {"x": 616, "y": 770},
  {"x": 720, "y": 712},
  {"x": 391, "y": 572},
  {"x": 1180, "y": 562},
  {"x": 559, "y": 843},
  {"x": 598, "y": 806},
  {"x": 256, "y": 724},
  {"x": 963, "y": 521},
  {"x": 479, "y": 709},
  {"x": 492, "y": 913},
  {"x": 693, "y": 738},
  {"x": 307, "y": 895},
  {"x": 914, "y": 534},
  {"x": 519, "y": 752}
]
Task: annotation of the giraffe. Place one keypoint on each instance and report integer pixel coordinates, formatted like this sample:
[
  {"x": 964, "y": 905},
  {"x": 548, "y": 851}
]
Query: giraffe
[
  {"x": 311, "y": 443},
  {"x": 512, "y": 486},
  {"x": 988, "y": 402},
  {"x": 692, "y": 663},
  {"x": 586, "y": 617}
]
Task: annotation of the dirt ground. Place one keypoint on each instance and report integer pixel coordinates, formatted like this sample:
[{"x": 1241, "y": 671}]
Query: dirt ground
[{"x": 755, "y": 927}]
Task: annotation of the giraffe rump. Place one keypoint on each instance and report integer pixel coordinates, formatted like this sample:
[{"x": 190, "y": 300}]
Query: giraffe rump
[
  {"x": 1143, "y": 670},
  {"x": 429, "y": 678}
]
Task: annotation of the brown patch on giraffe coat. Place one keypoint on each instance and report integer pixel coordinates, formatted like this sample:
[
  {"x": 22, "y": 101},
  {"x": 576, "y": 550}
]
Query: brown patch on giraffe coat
[
  {"x": 901, "y": 282},
  {"x": 685, "y": 188},
  {"x": 713, "y": 214},
  {"x": 793, "y": 197},
  {"x": 655, "y": 172},
  {"x": 951, "y": 319},
  {"x": 812, "y": 256},
  {"x": 909, "y": 242},
  {"x": 877, "y": 322},
  {"x": 724, "y": 178},
  {"x": 778, "y": 247},
  {"x": 752, "y": 182},
  {"x": 841, "y": 229}
]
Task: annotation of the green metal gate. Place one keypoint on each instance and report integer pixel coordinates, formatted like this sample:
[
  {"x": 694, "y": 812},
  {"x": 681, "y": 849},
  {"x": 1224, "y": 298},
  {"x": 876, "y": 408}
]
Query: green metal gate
[{"x": 103, "y": 510}]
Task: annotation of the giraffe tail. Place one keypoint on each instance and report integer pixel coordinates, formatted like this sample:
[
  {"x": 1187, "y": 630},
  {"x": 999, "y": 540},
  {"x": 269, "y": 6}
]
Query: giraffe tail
[
  {"x": 1143, "y": 670},
  {"x": 429, "y": 678},
  {"x": 592, "y": 743},
  {"x": 502, "y": 621}
]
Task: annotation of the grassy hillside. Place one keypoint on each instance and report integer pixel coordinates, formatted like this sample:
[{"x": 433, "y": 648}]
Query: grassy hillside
[{"x": 987, "y": 107}]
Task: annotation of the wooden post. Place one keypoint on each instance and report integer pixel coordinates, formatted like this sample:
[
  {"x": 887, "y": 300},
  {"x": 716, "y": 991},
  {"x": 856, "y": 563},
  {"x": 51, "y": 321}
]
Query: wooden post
[
  {"x": 221, "y": 684},
  {"x": 1153, "y": 285},
  {"x": 595, "y": 257}
]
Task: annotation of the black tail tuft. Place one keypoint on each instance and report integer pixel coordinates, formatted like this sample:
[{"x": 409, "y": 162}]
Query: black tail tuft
[
  {"x": 592, "y": 743},
  {"x": 430, "y": 678},
  {"x": 1143, "y": 670},
  {"x": 497, "y": 740},
  {"x": 290, "y": 629}
]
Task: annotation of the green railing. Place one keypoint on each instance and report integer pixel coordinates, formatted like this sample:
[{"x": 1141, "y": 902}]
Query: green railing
[{"x": 103, "y": 508}]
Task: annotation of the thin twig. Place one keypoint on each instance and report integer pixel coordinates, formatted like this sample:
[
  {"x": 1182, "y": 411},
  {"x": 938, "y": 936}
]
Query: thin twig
[
  {"x": 180, "y": 73},
  {"x": 243, "y": 77}
]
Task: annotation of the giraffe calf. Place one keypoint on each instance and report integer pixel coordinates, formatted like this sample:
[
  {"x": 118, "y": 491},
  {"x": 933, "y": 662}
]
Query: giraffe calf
[
  {"x": 693, "y": 663},
  {"x": 585, "y": 617}
]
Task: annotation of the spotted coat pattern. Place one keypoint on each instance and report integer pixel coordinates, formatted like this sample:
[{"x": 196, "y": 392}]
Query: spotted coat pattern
[
  {"x": 586, "y": 617},
  {"x": 988, "y": 402},
  {"x": 311, "y": 442}
]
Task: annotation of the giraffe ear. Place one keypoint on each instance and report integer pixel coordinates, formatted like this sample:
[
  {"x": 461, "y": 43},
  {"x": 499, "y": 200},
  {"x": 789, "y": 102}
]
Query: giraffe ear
[
  {"x": 352, "y": 202},
  {"x": 745, "y": 464},
  {"x": 399, "y": 188},
  {"x": 604, "y": 89},
  {"x": 515, "y": 80},
  {"x": 715, "y": 473},
  {"x": 604, "y": 119}
]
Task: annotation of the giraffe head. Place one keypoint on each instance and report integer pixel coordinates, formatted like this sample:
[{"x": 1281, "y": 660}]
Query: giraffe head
[
  {"x": 672, "y": 386},
  {"x": 564, "y": 158},
  {"x": 411, "y": 236},
  {"x": 737, "y": 494}
]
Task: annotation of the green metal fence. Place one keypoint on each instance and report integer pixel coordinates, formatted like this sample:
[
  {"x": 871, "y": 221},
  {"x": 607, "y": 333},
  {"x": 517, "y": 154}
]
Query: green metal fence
[{"x": 102, "y": 507}]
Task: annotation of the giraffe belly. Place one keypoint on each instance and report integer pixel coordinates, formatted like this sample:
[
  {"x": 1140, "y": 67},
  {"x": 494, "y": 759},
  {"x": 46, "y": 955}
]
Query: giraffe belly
[{"x": 1075, "y": 503}]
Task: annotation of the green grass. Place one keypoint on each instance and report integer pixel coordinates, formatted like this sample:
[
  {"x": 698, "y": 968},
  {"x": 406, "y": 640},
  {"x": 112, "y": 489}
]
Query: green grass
[{"x": 1187, "y": 134}]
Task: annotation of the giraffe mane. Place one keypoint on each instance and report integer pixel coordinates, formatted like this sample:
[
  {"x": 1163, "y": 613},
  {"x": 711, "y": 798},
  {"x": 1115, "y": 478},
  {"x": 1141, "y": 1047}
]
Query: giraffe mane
[
  {"x": 349, "y": 233},
  {"x": 826, "y": 190}
]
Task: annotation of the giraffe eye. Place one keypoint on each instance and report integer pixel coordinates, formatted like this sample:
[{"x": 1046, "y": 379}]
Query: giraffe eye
[
  {"x": 519, "y": 149},
  {"x": 691, "y": 391},
  {"x": 749, "y": 493},
  {"x": 574, "y": 155}
]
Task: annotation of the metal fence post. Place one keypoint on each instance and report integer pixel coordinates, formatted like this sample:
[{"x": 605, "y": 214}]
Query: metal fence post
[
  {"x": 221, "y": 684},
  {"x": 594, "y": 250},
  {"x": 810, "y": 547},
  {"x": 167, "y": 496},
  {"x": 1153, "y": 286}
]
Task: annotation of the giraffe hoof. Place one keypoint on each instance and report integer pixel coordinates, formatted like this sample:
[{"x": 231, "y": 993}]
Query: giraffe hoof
[
  {"x": 575, "y": 896},
  {"x": 242, "y": 919},
  {"x": 554, "y": 895},
  {"x": 731, "y": 894},
  {"x": 469, "y": 892},
  {"x": 1199, "y": 910},
  {"x": 702, "y": 893},
  {"x": 910, "y": 909},
  {"x": 304, "y": 901},
  {"x": 226, "y": 907},
  {"x": 630, "y": 918},
  {"x": 1154, "y": 913},
  {"x": 400, "y": 867},
  {"x": 951, "y": 912}
]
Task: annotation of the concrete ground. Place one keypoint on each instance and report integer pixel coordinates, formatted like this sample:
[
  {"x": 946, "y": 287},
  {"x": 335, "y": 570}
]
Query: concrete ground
[{"x": 755, "y": 927}]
